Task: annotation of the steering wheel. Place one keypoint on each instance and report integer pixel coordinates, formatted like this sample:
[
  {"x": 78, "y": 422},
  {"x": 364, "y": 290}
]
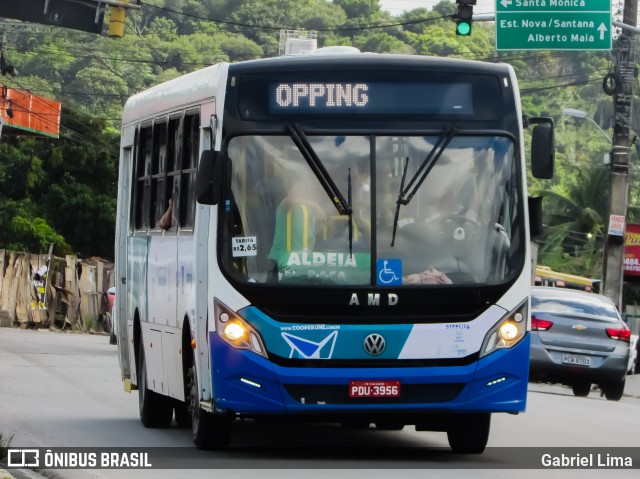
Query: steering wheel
[{"x": 462, "y": 219}]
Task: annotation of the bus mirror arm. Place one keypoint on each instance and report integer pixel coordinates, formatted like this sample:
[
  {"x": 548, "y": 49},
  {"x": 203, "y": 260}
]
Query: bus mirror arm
[
  {"x": 542, "y": 147},
  {"x": 209, "y": 179}
]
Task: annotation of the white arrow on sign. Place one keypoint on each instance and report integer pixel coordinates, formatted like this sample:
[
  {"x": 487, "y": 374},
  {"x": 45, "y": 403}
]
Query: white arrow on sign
[
  {"x": 602, "y": 28},
  {"x": 505, "y": 3}
]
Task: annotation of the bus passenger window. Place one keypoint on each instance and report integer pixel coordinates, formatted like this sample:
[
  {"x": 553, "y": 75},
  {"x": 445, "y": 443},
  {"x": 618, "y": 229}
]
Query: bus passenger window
[
  {"x": 189, "y": 163},
  {"x": 142, "y": 175},
  {"x": 158, "y": 179}
]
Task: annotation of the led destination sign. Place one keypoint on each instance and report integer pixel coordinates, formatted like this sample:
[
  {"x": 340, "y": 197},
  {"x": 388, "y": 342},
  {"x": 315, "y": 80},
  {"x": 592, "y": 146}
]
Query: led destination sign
[{"x": 370, "y": 98}]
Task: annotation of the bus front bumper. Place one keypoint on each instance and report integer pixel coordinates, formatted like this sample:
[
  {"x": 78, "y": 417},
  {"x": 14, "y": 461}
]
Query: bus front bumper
[{"x": 248, "y": 384}]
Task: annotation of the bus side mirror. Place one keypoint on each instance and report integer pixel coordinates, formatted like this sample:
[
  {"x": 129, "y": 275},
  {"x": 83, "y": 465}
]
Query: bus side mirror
[
  {"x": 209, "y": 180},
  {"x": 542, "y": 148}
]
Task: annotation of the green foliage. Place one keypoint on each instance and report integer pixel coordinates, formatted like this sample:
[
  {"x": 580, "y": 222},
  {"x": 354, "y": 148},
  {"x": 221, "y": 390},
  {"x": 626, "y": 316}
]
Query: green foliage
[
  {"x": 240, "y": 48},
  {"x": 381, "y": 43},
  {"x": 35, "y": 235},
  {"x": 355, "y": 9},
  {"x": 575, "y": 214}
]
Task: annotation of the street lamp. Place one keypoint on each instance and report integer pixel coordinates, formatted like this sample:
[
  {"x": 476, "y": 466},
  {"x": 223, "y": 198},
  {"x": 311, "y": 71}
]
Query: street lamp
[{"x": 583, "y": 115}]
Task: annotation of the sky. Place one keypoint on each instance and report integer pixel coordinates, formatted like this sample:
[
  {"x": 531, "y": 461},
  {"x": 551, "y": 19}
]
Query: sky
[{"x": 396, "y": 7}]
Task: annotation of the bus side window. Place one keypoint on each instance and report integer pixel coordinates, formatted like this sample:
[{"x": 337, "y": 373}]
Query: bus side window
[
  {"x": 172, "y": 183},
  {"x": 142, "y": 179},
  {"x": 188, "y": 167},
  {"x": 158, "y": 170}
]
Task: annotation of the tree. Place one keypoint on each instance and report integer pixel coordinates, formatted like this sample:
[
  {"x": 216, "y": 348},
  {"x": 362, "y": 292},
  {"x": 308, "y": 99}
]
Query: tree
[
  {"x": 575, "y": 222},
  {"x": 381, "y": 43},
  {"x": 240, "y": 48}
]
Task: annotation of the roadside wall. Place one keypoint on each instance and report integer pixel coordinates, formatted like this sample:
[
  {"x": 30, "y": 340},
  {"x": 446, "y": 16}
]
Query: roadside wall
[{"x": 70, "y": 296}]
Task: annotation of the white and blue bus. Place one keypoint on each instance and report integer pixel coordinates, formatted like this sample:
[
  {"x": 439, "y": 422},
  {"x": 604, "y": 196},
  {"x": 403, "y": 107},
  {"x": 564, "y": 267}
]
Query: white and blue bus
[{"x": 335, "y": 237}]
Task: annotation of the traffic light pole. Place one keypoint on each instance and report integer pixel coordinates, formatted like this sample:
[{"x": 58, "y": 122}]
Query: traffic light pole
[{"x": 621, "y": 82}]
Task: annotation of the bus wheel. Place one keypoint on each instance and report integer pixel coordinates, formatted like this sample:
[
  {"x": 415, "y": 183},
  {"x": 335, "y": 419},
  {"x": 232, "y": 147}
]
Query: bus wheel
[
  {"x": 156, "y": 410},
  {"x": 470, "y": 434},
  {"x": 210, "y": 431}
]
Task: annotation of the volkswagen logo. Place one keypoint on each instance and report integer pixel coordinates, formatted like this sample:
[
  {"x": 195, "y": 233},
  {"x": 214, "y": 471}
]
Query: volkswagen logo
[{"x": 374, "y": 344}]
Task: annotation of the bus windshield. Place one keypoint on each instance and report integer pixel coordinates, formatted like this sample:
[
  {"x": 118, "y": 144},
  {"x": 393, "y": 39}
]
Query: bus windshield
[{"x": 461, "y": 226}]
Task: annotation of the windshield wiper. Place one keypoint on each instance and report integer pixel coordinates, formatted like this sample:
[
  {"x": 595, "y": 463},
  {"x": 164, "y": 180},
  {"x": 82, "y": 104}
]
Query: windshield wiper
[
  {"x": 405, "y": 195},
  {"x": 342, "y": 206}
]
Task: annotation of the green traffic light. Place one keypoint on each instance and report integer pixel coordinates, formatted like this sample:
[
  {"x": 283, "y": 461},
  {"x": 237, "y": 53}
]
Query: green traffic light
[{"x": 463, "y": 28}]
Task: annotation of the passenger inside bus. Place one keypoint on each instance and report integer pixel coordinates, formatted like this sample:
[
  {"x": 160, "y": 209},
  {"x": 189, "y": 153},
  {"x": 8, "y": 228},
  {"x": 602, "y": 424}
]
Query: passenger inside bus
[
  {"x": 295, "y": 224},
  {"x": 168, "y": 219}
]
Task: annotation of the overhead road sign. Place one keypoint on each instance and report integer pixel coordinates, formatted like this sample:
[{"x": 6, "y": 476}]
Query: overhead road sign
[{"x": 553, "y": 25}]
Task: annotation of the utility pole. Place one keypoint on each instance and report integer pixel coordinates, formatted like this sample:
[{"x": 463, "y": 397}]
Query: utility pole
[{"x": 620, "y": 84}]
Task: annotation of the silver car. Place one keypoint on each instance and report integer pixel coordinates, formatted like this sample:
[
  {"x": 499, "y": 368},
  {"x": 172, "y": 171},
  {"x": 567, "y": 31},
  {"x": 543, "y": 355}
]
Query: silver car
[{"x": 578, "y": 339}]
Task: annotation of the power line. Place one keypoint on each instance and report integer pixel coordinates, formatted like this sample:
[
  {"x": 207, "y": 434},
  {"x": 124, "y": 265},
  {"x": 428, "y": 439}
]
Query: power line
[
  {"x": 285, "y": 27},
  {"x": 155, "y": 62}
]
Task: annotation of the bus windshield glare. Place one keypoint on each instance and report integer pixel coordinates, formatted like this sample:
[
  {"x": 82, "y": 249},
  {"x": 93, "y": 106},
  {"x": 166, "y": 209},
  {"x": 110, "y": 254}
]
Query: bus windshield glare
[{"x": 457, "y": 229}]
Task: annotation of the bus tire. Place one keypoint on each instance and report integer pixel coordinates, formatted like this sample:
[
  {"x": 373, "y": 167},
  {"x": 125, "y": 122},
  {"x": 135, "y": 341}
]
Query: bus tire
[
  {"x": 156, "y": 410},
  {"x": 209, "y": 431},
  {"x": 470, "y": 434}
]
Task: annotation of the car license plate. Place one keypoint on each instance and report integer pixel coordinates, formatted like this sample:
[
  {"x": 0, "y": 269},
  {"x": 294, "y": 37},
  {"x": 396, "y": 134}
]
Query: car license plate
[
  {"x": 385, "y": 388},
  {"x": 577, "y": 360}
]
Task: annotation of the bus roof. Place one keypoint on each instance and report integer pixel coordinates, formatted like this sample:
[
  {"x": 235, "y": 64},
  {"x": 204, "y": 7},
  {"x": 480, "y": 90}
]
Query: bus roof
[
  {"x": 191, "y": 88},
  {"x": 372, "y": 60}
]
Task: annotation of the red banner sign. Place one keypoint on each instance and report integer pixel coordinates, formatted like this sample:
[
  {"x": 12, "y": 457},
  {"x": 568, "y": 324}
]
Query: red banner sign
[
  {"x": 632, "y": 251},
  {"x": 26, "y": 114}
]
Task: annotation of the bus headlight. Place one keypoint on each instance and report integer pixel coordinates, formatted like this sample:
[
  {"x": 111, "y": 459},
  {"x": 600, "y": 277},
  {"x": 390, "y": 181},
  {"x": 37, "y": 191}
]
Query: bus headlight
[
  {"x": 235, "y": 331},
  {"x": 507, "y": 332}
]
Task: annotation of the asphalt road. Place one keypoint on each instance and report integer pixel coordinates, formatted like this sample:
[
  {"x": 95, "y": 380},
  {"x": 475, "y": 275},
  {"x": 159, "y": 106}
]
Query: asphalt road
[{"x": 64, "y": 390}]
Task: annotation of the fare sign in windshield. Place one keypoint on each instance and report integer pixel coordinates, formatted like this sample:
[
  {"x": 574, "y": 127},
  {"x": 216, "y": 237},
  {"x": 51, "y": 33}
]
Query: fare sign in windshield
[{"x": 553, "y": 25}]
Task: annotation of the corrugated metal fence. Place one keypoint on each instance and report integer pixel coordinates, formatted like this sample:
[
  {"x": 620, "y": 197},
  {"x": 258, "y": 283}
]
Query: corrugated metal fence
[{"x": 39, "y": 291}]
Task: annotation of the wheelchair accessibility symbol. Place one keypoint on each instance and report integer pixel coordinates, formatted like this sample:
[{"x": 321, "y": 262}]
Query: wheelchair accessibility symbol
[{"x": 389, "y": 272}]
